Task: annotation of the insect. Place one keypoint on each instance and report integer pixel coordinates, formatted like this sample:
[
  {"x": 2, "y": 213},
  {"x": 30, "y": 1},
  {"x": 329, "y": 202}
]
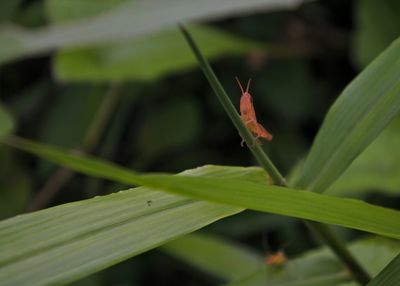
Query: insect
[
  {"x": 277, "y": 259},
  {"x": 248, "y": 115}
]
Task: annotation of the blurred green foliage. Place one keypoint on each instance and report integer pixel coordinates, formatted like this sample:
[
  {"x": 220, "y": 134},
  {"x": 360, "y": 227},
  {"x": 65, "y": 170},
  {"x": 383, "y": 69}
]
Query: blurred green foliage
[{"x": 167, "y": 118}]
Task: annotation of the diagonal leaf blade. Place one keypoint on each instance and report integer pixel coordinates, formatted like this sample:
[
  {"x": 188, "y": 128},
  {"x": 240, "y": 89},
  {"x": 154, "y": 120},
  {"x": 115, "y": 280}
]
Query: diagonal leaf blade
[
  {"x": 361, "y": 112},
  {"x": 243, "y": 193},
  {"x": 390, "y": 275},
  {"x": 130, "y": 19}
]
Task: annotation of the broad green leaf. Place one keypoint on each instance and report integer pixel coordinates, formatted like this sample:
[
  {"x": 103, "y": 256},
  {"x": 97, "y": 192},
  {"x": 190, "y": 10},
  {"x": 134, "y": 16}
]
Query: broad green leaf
[
  {"x": 243, "y": 193},
  {"x": 215, "y": 256},
  {"x": 128, "y": 20},
  {"x": 377, "y": 25},
  {"x": 146, "y": 58},
  {"x": 361, "y": 112},
  {"x": 376, "y": 169},
  {"x": 142, "y": 59},
  {"x": 67, "y": 242},
  {"x": 6, "y": 122},
  {"x": 388, "y": 276},
  {"x": 321, "y": 267}
]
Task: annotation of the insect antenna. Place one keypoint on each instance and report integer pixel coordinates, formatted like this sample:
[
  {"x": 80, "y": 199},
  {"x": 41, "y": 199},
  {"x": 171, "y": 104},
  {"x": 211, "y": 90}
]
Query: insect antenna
[
  {"x": 248, "y": 85},
  {"x": 240, "y": 85}
]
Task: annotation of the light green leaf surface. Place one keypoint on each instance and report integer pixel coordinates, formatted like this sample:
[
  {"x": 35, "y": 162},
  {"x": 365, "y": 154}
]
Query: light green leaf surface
[
  {"x": 146, "y": 58},
  {"x": 377, "y": 25},
  {"x": 243, "y": 193},
  {"x": 6, "y": 122},
  {"x": 67, "y": 242},
  {"x": 376, "y": 170},
  {"x": 130, "y": 19},
  {"x": 213, "y": 255},
  {"x": 390, "y": 275},
  {"x": 361, "y": 112},
  {"x": 320, "y": 267}
]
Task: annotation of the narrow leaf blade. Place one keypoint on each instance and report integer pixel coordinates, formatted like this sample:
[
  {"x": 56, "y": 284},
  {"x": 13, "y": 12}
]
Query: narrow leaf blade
[
  {"x": 243, "y": 193},
  {"x": 361, "y": 112},
  {"x": 388, "y": 276}
]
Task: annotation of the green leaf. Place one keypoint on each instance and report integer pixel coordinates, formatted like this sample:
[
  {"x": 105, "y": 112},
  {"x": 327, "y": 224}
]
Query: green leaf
[
  {"x": 243, "y": 193},
  {"x": 388, "y": 276},
  {"x": 320, "y": 266},
  {"x": 67, "y": 242},
  {"x": 146, "y": 58},
  {"x": 128, "y": 20},
  {"x": 377, "y": 25},
  {"x": 375, "y": 170},
  {"x": 6, "y": 122},
  {"x": 214, "y": 256},
  {"x": 64, "y": 10},
  {"x": 361, "y": 112}
]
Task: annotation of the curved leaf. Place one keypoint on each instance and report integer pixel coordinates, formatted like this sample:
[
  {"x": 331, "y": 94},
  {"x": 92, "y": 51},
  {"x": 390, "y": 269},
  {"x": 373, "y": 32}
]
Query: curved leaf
[{"x": 361, "y": 112}]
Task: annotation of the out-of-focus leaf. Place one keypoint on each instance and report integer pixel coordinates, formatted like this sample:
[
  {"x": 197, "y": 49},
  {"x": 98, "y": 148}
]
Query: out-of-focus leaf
[
  {"x": 253, "y": 195},
  {"x": 377, "y": 25},
  {"x": 320, "y": 267},
  {"x": 357, "y": 117},
  {"x": 6, "y": 122},
  {"x": 388, "y": 276},
  {"x": 377, "y": 169},
  {"x": 130, "y": 19},
  {"x": 65, "y": 10},
  {"x": 170, "y": 125},
  {"x": 145, "y": 58},
  {"x": 214, "y": 256},
  {"x": 64, "y": 243},
  {"x": 142, "y": 59}
]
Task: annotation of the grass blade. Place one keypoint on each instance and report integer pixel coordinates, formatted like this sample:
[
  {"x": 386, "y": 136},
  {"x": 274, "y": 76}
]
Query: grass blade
[
  {"x": 361, "y": 112},
  {"x": 243, "y": 193},
  {"x": 388, "y": 276}
]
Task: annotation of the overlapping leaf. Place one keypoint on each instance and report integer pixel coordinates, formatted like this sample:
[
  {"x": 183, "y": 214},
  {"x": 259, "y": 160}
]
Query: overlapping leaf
[
  {"x": 361, "y": 112},
  {"x": 243, "y": 193},
  {"x": 130, "y": 19}
]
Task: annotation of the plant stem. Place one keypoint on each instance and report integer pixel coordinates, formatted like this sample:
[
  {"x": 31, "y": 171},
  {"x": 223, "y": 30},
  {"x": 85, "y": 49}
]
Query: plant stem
[{"x": 323, "y": 231}]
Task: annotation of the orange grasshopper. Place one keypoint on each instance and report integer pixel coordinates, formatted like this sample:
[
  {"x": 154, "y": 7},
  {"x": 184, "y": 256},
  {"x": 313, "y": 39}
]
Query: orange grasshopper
[
  {"x": 276, "y": 259},
  {"x": 248, "y": 115}
]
